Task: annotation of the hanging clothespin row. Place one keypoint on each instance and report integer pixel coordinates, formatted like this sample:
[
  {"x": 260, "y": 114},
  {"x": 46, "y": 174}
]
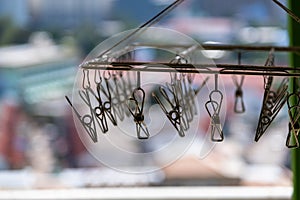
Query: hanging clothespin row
[
  {"x": 135, "y": 105},
  {"x": 293, "y": 103},
  {"x": 273, "y": 101},
  {"x": 88, "y": 120},
  {"x": 239, "y": 105},
  {"x": 213, "y": 107}
]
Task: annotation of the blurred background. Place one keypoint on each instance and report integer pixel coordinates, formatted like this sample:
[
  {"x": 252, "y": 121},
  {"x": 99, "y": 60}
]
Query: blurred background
[{"x": 42, "y": 43}]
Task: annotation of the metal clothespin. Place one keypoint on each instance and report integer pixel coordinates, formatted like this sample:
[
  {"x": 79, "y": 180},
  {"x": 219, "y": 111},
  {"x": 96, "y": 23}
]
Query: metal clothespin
[
  {"x": 107, "y": 103},
  {"x": 177, "y": 99},
  {"x": 127, "y": 90},
  {"x": 181, "y": 101},
  {"x": 173, "y": 115},
  {"x": 273, "y": 101},
  {"x": 213, "y": 107},
  {"x": 265, "y": 117},
  {"x": 117, "y": 99},
  {"x": 88, "y": 120},
  {"x": 292, "y": 140},
  {"x": 135, "y": 105},
  {"x": 272, "y": 104},
  {"x": 183, "y": 90},
  {"x": 99, "y": 110},
  {"x": 239, "y": 106},
  {"x": 188, "y": 98}
]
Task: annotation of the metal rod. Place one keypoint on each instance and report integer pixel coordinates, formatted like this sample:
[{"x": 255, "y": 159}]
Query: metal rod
[
  {"x": 288, "y": 11},
  {"x": 189, "y": 50},
  {"x": 176, "y": 66},
  {"x": 224, "y": 47},
  {"x": 294, "y": 32},
  {"x": 198, "y": 71}
]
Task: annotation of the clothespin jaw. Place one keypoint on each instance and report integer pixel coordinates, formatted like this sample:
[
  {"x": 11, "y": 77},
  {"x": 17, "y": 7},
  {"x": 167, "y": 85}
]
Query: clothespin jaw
[
  {"x": 142, "y": 131},
  {"x": 216, "y": 129},
  {"x": 292, "y": 140},
  {"x": 239, "y": 105}
]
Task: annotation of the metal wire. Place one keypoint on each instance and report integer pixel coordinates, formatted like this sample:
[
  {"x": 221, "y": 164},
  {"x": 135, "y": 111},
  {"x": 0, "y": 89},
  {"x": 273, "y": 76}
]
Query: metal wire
[
  {"x": 288, "y": 11},
  {"x": 149, "y": 23}
]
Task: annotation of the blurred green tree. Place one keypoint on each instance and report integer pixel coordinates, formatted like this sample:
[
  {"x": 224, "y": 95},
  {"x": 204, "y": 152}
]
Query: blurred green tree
[{"x": 12, "y": 34}]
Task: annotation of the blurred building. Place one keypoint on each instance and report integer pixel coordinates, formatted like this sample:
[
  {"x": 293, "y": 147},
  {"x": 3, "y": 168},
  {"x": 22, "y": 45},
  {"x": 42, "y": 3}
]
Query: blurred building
[
  {"x": 34, "y": 79},
  {"x": 68, "y": 13},
  {"x": 38, "y": 72}
]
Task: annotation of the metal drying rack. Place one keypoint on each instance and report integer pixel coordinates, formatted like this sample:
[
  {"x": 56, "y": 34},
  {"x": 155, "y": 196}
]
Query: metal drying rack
[{"x": 125, "y": 99}]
